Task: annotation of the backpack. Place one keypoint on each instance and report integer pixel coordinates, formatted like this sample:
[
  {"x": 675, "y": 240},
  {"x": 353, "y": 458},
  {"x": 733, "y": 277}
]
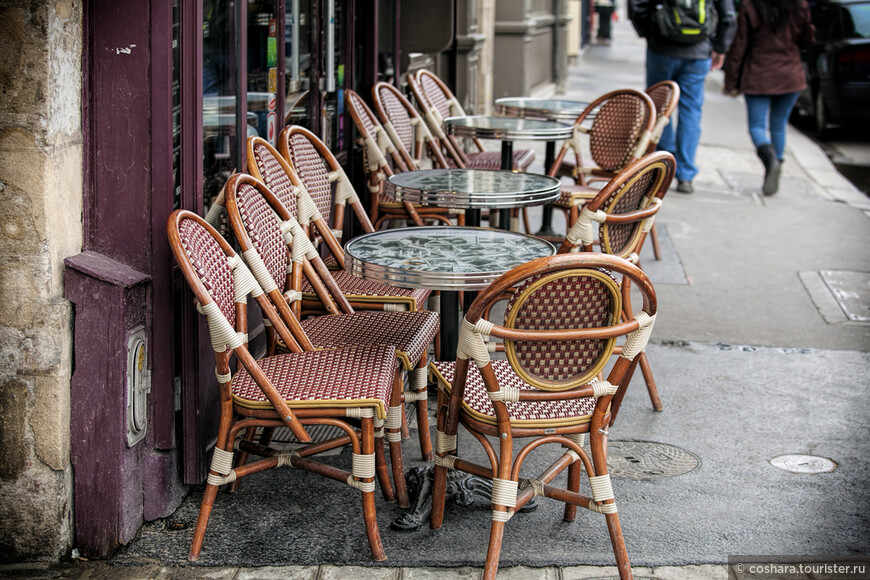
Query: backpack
[{"x": 686, "y": 21}]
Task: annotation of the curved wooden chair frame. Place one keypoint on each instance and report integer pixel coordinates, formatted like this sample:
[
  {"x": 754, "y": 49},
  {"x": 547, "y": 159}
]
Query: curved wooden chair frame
[
  {"x": 665, "y": 96},
  {"x": 240, "y": 411},
  {"x": 500, "y": 401},
  {"x": 300, "y": 259}
]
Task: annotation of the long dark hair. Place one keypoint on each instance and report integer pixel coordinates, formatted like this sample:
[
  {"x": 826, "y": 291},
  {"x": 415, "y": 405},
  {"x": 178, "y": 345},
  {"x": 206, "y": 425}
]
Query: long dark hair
[{"x": 775, "y": 13}]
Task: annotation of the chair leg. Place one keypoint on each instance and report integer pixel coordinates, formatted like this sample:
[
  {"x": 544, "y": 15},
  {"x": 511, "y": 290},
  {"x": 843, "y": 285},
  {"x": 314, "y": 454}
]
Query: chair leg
[
  {"x": 618, "y": 543},
  {"x": 394, "y": 438},
  {"x": 381, "y": 468},
  {"x": 202, "y": 522},
  {"x": 493, "y": 552},
  {"x": 439, "y": 483},
  {"x": 242, "y": 458},
  {"x": 650, "y": 382},
  {"x": 368, "y": 497},
  {"x": 654, "y": 236},
  {"x": 574, "y": 472},
  {"x": 418, "y": 381}
]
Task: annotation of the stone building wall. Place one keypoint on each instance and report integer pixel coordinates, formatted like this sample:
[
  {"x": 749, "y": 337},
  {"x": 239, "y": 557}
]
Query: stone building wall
[{"x": 40, "y": 225}]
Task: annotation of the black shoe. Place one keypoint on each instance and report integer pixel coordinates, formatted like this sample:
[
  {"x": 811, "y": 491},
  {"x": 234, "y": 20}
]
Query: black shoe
[
  {"x": 767, "y": 154},
  {"x": 685, "y": 186}
]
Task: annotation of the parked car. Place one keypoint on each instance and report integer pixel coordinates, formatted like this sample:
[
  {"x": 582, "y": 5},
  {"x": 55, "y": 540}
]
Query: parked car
[{"x": 838, "y": 65}]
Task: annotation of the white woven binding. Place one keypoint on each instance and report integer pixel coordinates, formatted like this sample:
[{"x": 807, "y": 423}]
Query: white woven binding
[
  {"x": 391, "y": 131},
  {"x": 221, "y": 461},
  {"x": 603, "y": 388},
  {"x": 472, "y": 341},
  {"x": 359, "y": 412},
  {"x": 375, "y": 155},
  {"x": 455, "y": 108},
  {"x": 537, "y": 485},
  {"x": 444, "y": 443},
  {"x": 433, "y": 117},
  {"x": 292, "y": 296},
  {"x": 215, "y": 212},
  {"x": 583, "y": 230},
  {"x": 306, "y": 209},
  {"x": 388, "y": 307},
  {"x": 602, "y": 489},
  {"x": 260, "y": 271},
  {"x": 394, "y": 422},
  {"x": 636, "y": 342},
  {"x": 506, "y": 394},
  {"x": 607, "y": 508},
  {"x": 300, "y": 245},
  {"x": 642, "y": 145},
  {"x": 364, "y": 486},
  {"x": 447, "y": 461},
  {"x": 219, "y": 328},
  {"x": 244, "y": 282},
  {"x": 344, "y": 191},
  {"x": 363, "y": 465},
  {"x": 504, "y": 492},
  {"x": 578, "y": 438},
  {"x": 659, "y": 128},
  {"x": 223, "y": 379}
]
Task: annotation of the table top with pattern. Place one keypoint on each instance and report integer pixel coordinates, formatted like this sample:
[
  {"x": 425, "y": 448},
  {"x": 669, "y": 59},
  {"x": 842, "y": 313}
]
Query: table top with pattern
[
  {"x": 441, "y": 257},
  {"x": 507, "y": 128},
  {"x": 473, "y": 188},
  {"x": 542, "y": 109}
]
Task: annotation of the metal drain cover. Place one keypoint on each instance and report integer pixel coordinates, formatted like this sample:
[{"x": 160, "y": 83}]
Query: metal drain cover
[
  {"x": 643, "y": 460},
  {"x": 851, "y": 290},
  {"x": 804, "y": 463}
]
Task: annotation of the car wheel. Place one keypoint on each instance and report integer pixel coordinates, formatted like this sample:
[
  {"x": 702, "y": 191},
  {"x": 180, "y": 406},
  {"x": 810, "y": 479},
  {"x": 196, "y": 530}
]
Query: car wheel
[{"x": 820, "y": 114}]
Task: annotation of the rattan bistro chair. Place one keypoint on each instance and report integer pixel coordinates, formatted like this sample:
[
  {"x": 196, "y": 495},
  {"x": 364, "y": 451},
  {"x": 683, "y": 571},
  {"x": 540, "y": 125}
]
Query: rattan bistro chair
[
  {"x": 270, "y": 238},
  {"x": 560, "y": 329},
  {"x": 406, "y": 128},
  {"x": 620, "y": 133},
  {"x": 620, "y": 216},
  {"x": 377, "y": 145},
  {"x": 665, "y": 96},
  {"x": 436, "y": 102},
  {"x": 303, "y": 387},
  {"x": 307, "y": 169}
]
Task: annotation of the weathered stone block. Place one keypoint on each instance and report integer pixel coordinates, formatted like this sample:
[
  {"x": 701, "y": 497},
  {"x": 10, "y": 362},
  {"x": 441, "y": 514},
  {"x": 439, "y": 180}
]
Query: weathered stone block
[
  {"x": 14, "y": 454},
  {"x": 19, "y": 285},
  {"x": 49, "y": 419}
]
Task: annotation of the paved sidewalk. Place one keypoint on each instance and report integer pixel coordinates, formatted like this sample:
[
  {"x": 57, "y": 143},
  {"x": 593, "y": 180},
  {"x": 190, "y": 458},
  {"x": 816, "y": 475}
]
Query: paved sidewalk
[{"x": 753, "y": 355}]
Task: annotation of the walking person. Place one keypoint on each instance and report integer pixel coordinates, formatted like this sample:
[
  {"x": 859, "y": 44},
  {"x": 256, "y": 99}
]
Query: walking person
[
  {"x": 605, "y": 10},
  {"x": 686, "y": 39},
  {"x": 764, "y": 64}
]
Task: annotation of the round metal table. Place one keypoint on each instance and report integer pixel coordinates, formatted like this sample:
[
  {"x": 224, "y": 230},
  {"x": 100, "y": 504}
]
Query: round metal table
[
  {"x": 507, "y": 130},
  {"x": 473, "y": 189},
  {"x": 446, "y": 258},
  {"x": 546, "y": 110},
  {"x": 541, "y": 109}
]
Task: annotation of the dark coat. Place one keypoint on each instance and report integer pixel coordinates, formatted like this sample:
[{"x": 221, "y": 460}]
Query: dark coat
[
  {"x": 766, "y": 62},
  {"x": 642, "y": 16}
]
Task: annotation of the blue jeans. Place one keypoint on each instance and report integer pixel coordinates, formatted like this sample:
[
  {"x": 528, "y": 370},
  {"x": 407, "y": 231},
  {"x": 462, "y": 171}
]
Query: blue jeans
[
  {"x": 776, "y": 108},
  {"x": 690, "y": 75}
]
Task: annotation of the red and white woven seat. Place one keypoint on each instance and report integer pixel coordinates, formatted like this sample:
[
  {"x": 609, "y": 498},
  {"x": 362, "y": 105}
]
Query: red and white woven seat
[
  {"x": 572, "y": 195},
  {"x": 359, "y": 376},
  {"x": 409, "y": 332},
  {"x": 492, "y": 160},
  {"x": 524, "y": 413},
  {"x": 359, "y": 290}
]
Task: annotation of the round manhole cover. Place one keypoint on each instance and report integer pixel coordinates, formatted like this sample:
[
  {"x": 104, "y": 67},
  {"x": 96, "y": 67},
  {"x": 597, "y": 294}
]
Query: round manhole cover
[
  {"x": 804, "y": 463},
  {"x": 647, "y": 460}
]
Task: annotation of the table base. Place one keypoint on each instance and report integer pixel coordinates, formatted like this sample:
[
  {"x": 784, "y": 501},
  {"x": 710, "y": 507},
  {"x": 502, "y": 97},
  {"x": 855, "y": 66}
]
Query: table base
[{"x": 462, "y": 488}]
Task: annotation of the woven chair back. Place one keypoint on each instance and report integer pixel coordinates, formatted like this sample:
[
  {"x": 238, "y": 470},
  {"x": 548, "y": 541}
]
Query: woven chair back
[
  {"x": 563, "y": 300},
  {"x": 435, "y": 93},
  {"x": 638, "y": 187},
  {"x": 209, "y": 261},
  {"x": 271, "y": 172},
  {"x": 263, "y": 230},
  {"x": 393, "y": 107},
  {"x": 665, "y": 96},
  {"x": 312, "y": 167},
  {"x": 617, "y": 128}
]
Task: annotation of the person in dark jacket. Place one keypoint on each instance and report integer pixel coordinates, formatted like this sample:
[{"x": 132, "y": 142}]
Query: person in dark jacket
[
  {"x": 688, "y": 65},
  {"x": 764, "y": 64}
]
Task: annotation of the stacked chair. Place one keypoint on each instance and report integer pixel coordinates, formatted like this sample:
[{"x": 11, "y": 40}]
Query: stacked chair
[
  {"x": 336, "y": 387},
  {"x": 620, "y": 133},
  {"x": 313, "y": 287},
  {"x": 384, "y": 157},
  {"x": 616, "y": 222},
  {"x": 436, "y": 102}
]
